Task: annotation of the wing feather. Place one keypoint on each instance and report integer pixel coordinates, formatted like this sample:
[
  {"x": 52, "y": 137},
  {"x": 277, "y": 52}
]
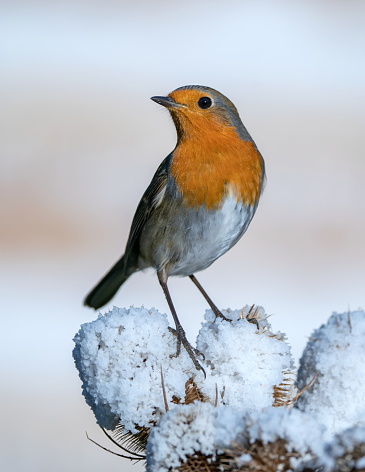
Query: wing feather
[{"x": 150, "y": 200}]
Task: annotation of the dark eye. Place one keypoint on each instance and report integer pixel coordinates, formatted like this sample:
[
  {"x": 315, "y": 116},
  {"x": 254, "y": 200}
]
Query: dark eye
[{"x": 204, "y": 102}]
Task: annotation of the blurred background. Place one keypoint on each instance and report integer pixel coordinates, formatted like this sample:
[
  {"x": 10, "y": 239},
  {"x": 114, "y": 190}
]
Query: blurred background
[{"x": 80, "y": 141}]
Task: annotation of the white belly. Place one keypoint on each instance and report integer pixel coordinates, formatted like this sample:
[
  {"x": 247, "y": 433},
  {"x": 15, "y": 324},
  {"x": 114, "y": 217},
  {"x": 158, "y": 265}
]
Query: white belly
[
  {"x": 190, "y": 240},
  {"x": 217, "y": 234}
]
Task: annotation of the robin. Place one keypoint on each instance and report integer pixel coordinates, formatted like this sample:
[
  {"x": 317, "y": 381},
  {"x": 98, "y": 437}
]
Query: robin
[{"x": 199, "y": 203}]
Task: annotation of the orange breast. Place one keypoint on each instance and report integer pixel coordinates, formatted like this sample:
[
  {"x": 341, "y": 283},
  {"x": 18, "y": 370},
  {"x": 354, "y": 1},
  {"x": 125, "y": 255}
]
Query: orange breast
[{"x": 208, "y": 165}]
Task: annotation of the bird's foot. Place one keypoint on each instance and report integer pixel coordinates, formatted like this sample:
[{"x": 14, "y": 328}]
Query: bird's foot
[
  {"x": 182, "y": 340},
  {"x": 196, "y": 351},
  {"x": 219, "y": 314}
]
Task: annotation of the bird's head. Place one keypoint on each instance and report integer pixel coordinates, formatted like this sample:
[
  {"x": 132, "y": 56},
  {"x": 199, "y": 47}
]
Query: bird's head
[{"x": 196, "y": 109}]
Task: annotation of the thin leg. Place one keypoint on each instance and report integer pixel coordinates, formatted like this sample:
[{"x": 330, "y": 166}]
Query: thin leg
[
  {"x": 208, "y": 299},
  {"x": 181, "y": 336},
  {"x": 197, "y": 352}
]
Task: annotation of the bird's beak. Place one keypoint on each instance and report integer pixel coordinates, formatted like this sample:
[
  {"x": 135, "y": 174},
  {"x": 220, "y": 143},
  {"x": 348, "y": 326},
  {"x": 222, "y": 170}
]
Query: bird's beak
[{"x": 167, "y": 102}]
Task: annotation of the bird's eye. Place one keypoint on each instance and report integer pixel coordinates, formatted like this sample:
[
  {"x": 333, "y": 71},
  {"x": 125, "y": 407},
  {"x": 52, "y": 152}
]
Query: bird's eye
[{"x": 204, "y": 102}]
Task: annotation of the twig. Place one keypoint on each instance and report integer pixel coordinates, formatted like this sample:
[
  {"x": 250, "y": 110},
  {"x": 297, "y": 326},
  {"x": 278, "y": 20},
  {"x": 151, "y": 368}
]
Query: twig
[
  {"x": 112, "y": 452},
  {"x": 164, "y": 392},
  {"x": 294, "y": 399}
]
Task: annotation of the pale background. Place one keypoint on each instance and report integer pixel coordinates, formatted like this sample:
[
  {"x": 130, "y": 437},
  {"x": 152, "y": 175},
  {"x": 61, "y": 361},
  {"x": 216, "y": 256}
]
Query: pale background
[{"x": 80, "y": 140}]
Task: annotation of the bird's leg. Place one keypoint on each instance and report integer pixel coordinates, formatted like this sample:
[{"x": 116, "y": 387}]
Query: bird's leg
[
  {"x": 197, "y": 352},
  {"x": 208, "y": 299},
  {"x": 181, "y": 336}
]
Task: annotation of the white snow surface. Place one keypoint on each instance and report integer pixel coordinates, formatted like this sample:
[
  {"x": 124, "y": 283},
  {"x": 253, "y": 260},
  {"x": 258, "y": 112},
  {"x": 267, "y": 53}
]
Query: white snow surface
[
  {"x": 203, "y": 428},
  {"x": 301, "y": 432},
  {"x": 336, "y": 354},
  {"x": 188, "y": 429},
  {"x": 119, "y": 357},
  {"x": 243, "y": 361}
]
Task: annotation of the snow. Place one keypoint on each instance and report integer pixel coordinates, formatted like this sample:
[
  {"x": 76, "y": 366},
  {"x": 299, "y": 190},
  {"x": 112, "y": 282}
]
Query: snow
[
  {"x": 348, "y": 447},
  {"x": 336, "y": 354},
  {"x": 301, "y": 432},
  {"x": 243, "y": 361},
  {"x": 189, "y": 429},
  {"x": 119, "y": 357},
  {"x": 126, "y": 359},
  {"x": 202, "y": 428}
]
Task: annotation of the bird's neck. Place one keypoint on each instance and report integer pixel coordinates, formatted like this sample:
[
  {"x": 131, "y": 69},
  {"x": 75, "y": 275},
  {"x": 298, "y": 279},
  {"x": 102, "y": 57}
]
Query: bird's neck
[{"x": 208, "y": 166}]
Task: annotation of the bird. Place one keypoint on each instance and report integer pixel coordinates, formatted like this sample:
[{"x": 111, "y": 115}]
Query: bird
[{"x": 199, "y": 203}]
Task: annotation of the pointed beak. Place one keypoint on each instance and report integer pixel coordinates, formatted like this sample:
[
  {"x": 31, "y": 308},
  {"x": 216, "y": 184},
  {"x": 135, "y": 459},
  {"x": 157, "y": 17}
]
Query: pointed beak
[{"x": 167, "y": 102}]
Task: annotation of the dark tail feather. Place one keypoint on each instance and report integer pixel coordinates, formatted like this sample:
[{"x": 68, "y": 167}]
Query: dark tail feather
[{"x": 108, "y": 286}]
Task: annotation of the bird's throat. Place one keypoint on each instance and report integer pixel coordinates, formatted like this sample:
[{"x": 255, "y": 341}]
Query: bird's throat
[{"x": 205, "y": 170}]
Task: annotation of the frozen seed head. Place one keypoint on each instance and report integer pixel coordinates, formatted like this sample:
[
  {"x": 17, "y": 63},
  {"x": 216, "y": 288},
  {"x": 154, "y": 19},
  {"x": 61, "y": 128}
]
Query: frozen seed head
[
  {"x": 137, "y": 388},
  {"x": 119, "y": 357},
  {"x": 121, "y": 354},
  {"x": 191, "y": 435},
  {"x": 251, "y": 365},
  {"x": 335, "y": 353},
  {"x": 200, "y": 437},
  {"x": 277, "y": 439}
]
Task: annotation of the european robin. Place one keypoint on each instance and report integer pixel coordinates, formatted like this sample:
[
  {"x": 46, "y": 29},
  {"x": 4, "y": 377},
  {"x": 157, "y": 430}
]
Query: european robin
[{"x": 199, "y": 203}]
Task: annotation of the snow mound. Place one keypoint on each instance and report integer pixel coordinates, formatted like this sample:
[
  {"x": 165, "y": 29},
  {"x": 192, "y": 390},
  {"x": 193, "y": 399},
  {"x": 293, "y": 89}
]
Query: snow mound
[
  {"x": 126, "y": 356},
  {"x": 136, "y": 386},
  {"x": 251, "y": 365},
  {"x": 335, "y": 353},
  {"x": 188, "y": 430},
  {"x": 120, "y": 356},
  {"x": 207, "y": 436}
]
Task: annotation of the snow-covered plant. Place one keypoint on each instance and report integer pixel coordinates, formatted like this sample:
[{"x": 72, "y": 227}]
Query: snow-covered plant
[
  {"x": 203, "y": 437},
  {"x": 335, "y": 353},
  {"x": 250, "y": 364},
  {"x": 189, "y": 434},
  {"x": 120, "y": 357},
  {"x": 157, "y": 404}
]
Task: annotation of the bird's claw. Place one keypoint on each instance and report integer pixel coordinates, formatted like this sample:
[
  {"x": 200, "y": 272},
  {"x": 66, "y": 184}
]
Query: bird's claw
[
  {"x": 182, "y": 340},
  {"x": 219, "y": 314}
]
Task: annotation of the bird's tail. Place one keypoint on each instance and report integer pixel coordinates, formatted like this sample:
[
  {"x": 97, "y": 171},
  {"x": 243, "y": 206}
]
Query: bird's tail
[{"x": 108, "y": 286}]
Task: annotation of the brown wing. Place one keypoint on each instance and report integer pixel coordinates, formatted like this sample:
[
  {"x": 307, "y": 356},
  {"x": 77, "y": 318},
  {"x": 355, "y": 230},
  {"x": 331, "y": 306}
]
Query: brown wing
[{"x": 149, "y": 201}]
